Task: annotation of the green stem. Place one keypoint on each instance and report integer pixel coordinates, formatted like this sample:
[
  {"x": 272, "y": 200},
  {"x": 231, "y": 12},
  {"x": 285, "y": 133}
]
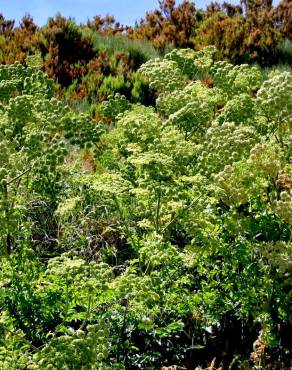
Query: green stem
[
  {"x": 8, "y": 238},
  {"x": 87, "y": 312},
  {"x": 67, "y": 300},
  {"x": 157, "y": 215}
]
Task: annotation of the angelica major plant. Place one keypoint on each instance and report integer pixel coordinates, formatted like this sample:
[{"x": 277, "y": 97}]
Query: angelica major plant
[{"x": 161, "y": 236}]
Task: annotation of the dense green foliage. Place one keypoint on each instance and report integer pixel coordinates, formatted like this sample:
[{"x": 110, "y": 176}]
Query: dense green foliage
[{"x": 163, "y": 237}]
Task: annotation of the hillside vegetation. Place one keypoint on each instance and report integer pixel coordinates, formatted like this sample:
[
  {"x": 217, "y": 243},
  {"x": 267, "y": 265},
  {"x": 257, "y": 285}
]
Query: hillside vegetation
[
  {"x": 93, "y": 60},
  {"x": 146, "y": 190}
]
